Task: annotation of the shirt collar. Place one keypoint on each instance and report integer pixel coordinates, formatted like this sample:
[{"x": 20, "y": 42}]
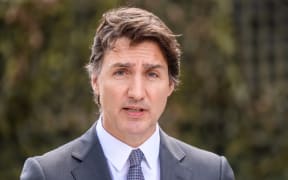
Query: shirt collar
[
  {"x": 150, "y": 149},
  {"x": 118, "y": 152}
]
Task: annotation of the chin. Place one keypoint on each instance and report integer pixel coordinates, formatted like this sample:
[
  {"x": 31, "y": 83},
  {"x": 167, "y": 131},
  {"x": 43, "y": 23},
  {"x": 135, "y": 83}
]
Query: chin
[{"x": 135, "y": 129}]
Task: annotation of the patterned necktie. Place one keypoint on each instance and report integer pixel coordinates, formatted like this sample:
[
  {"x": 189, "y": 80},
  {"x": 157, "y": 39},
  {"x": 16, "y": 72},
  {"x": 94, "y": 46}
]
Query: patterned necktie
[{"x": 135, "y": 171}]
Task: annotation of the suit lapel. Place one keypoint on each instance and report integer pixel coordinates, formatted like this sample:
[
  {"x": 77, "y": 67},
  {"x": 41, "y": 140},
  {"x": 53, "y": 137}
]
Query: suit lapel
[
  {"x": 171, "y": 157},
  {"x": 93, "y": 165},
  {"x": 89, "y": 154}
]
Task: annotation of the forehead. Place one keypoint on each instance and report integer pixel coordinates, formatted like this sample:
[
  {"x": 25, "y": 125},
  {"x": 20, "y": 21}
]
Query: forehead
[{"x": 146, "y": 52}]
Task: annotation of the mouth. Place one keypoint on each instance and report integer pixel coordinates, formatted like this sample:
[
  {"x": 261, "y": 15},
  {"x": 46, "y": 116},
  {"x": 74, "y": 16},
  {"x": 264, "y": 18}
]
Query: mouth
[
  {"x": 133, "y": 109},
  {"x": 135, "y": 112}
]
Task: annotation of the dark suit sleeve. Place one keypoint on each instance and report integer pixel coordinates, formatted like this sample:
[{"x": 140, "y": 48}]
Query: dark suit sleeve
[
  {"x": 226, "y": 170},
  {"x": 32, "y": 170}
]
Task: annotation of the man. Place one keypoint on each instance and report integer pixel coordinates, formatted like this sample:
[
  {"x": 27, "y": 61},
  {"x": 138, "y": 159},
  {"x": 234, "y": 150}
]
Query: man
[{"x": 134, "y": 68}]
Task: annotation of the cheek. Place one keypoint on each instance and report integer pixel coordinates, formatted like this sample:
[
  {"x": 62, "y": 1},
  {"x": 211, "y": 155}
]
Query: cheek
[
  {"x": 110, "y": 94},
  {"x": 160, "y": 97},
  {"x": 158, "y": 106}
]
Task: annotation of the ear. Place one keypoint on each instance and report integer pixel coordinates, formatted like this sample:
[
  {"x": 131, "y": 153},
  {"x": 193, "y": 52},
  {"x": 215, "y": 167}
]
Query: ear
[
  {"x": 94, "y": 84},
  {"x": 171, "y": 88}
]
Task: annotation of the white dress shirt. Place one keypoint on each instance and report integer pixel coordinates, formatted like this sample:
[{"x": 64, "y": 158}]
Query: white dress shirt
[{"x": 117, "y": 154}]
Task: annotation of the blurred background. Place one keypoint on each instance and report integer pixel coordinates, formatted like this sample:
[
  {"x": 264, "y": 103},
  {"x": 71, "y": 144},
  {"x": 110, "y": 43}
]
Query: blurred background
[{"x": 234, "y": 94}]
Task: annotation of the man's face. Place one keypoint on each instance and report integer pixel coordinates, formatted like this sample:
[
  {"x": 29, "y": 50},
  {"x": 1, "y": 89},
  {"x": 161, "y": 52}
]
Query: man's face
[{"x": 133, "y": 86}]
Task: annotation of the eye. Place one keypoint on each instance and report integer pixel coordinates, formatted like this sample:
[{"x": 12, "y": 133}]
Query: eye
[
  {"x": 120, "y": 73},
  {"x": 153, "y": 75}
]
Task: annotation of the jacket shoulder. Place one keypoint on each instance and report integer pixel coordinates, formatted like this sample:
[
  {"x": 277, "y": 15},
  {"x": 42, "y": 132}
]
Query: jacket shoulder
[
  {"x": 55, "y": 164},
  {"x": 60, "y": 162},
  {"x": 203, "y": 163}
]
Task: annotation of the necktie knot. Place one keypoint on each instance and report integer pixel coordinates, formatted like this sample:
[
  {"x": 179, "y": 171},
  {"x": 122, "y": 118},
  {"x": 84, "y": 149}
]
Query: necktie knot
[{"x": 136, "y": 157}]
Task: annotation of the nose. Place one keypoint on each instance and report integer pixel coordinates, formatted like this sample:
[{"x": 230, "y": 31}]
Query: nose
[{"x": 136, "y": 89}]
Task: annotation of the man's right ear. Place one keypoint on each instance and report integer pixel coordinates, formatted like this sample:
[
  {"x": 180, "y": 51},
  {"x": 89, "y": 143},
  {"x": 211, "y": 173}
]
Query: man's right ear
[{"x": 94, "y": 83}]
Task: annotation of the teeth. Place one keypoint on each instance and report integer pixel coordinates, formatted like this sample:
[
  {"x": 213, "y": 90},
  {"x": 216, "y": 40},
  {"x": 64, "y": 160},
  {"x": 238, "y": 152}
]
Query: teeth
[{"x": 134, "y": 110}]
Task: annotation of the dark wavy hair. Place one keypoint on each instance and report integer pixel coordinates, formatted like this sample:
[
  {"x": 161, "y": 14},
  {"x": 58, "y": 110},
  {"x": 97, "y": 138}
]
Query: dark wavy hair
[{"x": 137, "y": 25}]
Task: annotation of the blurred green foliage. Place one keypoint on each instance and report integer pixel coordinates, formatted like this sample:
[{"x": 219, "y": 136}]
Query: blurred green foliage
[{"x": 46, "y": 100}]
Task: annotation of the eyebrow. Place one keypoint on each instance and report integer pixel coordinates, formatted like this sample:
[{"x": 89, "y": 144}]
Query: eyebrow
[
  {"x": 146, "y": 66},
  {"x": 152, "y": 66},
  {"x": 122, "y": 65}
]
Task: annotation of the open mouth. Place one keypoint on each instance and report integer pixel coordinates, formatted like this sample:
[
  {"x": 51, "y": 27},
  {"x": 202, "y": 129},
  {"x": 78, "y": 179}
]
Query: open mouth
[{"x": 133, "y": 109}]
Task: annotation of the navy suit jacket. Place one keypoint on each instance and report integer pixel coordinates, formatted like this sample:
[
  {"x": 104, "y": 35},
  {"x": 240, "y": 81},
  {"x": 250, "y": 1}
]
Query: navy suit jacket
[{"x": 83, "y": 159}]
